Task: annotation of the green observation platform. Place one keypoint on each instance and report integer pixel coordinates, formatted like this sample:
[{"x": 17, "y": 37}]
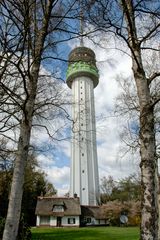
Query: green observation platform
[{"x": 81, "y": 63}]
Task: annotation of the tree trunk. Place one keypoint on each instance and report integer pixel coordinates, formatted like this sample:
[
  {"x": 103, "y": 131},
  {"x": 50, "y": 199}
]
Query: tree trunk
[
  {"x": 30, "y": 87},
  {"x": 15, "y": 199},
  {"x": 158, "y": 213},
  {"x": 149, "y": 169},
  {"x": 149, "y": 207},
  {"x": 14, "y": 208}
]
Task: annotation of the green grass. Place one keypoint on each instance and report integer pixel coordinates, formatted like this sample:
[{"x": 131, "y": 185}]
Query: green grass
[{"x": 88, "y": 233}]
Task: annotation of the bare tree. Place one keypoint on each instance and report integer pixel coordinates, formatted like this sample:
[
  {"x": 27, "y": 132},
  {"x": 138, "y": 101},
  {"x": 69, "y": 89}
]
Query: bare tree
[
  {"x": 127, "y": 110},
  {"x": 29, "y": 33},
  {"x": 137, "y": 24}
]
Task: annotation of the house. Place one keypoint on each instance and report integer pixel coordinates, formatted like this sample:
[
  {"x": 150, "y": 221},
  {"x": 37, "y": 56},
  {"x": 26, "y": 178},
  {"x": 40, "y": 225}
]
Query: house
[
  {"x": 66, "y": 211},
  {"x": 93, "y": 215},
  {"x": 58, "y": 211}
]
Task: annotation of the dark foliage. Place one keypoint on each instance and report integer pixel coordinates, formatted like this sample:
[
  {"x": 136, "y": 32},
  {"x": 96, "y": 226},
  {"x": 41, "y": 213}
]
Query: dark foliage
[
  {"x": 124, "y": 190},
  {"x": 24, "y": 232},
  {"x": 35, "y": 185}
]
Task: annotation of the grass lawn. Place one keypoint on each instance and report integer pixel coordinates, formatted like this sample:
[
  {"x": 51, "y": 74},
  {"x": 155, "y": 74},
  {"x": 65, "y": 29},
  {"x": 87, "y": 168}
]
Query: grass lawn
[{"x": 88, "y": 233}]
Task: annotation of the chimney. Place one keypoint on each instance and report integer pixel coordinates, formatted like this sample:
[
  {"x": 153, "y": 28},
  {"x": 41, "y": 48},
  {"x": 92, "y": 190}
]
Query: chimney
[{"x": 75, "y": 195}]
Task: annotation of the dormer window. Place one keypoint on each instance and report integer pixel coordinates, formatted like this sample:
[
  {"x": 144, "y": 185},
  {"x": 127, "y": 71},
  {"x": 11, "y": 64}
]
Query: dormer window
[{"x": 58, "y": 208}]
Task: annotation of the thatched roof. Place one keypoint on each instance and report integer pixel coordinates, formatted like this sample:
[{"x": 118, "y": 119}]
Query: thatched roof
[
  {"x": 98, "y": 212},
  {"x": 45, "y": 206}
]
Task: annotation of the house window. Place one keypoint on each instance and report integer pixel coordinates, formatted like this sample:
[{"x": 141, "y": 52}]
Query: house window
[
  {"x": 58, "y": 208},
  {"x": 71, "y": 221},
  {"x": 88, "y": 220},
  {"x": 44, "y": 220}
]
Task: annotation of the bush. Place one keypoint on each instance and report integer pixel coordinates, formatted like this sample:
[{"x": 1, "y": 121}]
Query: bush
[
  {"x": 114, "y": 221},
  {"x": 134, "y": 220},
  {"x": 24, "y": 232},
  {"x": 2, "y": 223},
  {"x": 114, "y": 209}
]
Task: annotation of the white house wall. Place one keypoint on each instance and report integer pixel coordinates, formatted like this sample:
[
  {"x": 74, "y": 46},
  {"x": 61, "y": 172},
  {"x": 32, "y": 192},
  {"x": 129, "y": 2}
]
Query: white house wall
[
  {"x": 64, "y": 221},
  {"x": 38, "y": 221},
  {"x": 53, "y": 221}
]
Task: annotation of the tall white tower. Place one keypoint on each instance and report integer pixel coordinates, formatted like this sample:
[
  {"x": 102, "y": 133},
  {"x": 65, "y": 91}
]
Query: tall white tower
[{"x": 82, "y": 78}]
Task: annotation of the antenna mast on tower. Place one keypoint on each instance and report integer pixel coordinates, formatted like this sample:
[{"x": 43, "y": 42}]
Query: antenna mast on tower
[{"x": 81, "y": 25}]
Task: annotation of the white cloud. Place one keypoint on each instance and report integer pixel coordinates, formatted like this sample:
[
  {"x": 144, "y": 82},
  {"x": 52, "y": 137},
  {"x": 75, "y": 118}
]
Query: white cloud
[
  {"x": 111, "y": 64},
  {"x": 110, "y": 157},
  {"x": 46, "y": 161},
  {"x": 60, "y": 178},
  {"x": 64, "y": 146}
]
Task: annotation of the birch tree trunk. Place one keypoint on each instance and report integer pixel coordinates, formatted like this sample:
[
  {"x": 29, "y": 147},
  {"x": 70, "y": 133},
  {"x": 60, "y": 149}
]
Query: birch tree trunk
[
  {"x": 148, "y": 165},
  {"x": 30, "y": 86},
  {"x": 15, "y": 199},
  {"x": 137, "y": 25},
  {"x": 149, "y": 169},
  {"x": 14, "y": 208}
]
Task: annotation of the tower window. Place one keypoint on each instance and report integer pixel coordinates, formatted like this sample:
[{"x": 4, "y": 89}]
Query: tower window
[
  {"x": 81, "y": 124},
  {"x": 82, "y": 154},
  {"x": 82, "y": 171},
  {"x": 83, "y": 189},
  {"x": 82, "y": 138}
]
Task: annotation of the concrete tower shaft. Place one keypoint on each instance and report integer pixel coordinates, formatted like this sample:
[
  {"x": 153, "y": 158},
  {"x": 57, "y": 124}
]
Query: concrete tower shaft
[{"x": 82, "y": 78}]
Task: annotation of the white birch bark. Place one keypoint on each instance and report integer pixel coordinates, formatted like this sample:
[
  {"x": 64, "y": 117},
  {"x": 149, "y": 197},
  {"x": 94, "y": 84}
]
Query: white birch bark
[
  {"x": 148, "y": 165},
  {"x": 14, "y": 208}
]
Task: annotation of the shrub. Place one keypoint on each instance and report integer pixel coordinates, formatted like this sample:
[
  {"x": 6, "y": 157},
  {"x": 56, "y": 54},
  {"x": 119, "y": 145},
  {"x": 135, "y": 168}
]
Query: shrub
[
  {"x": 24, "y": 232},
  {"x": 2, "y": 223},
  {"x": 114, "y": 209}
]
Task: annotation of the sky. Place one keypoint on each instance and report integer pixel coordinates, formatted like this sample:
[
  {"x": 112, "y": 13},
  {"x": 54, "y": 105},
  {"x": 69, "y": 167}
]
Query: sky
[{"x": 112, "y": 65}]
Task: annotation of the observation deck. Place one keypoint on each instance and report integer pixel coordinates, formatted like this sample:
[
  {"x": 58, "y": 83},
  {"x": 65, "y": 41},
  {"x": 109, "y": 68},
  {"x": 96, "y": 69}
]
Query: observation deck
[{"x": 82, "y": 62}]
